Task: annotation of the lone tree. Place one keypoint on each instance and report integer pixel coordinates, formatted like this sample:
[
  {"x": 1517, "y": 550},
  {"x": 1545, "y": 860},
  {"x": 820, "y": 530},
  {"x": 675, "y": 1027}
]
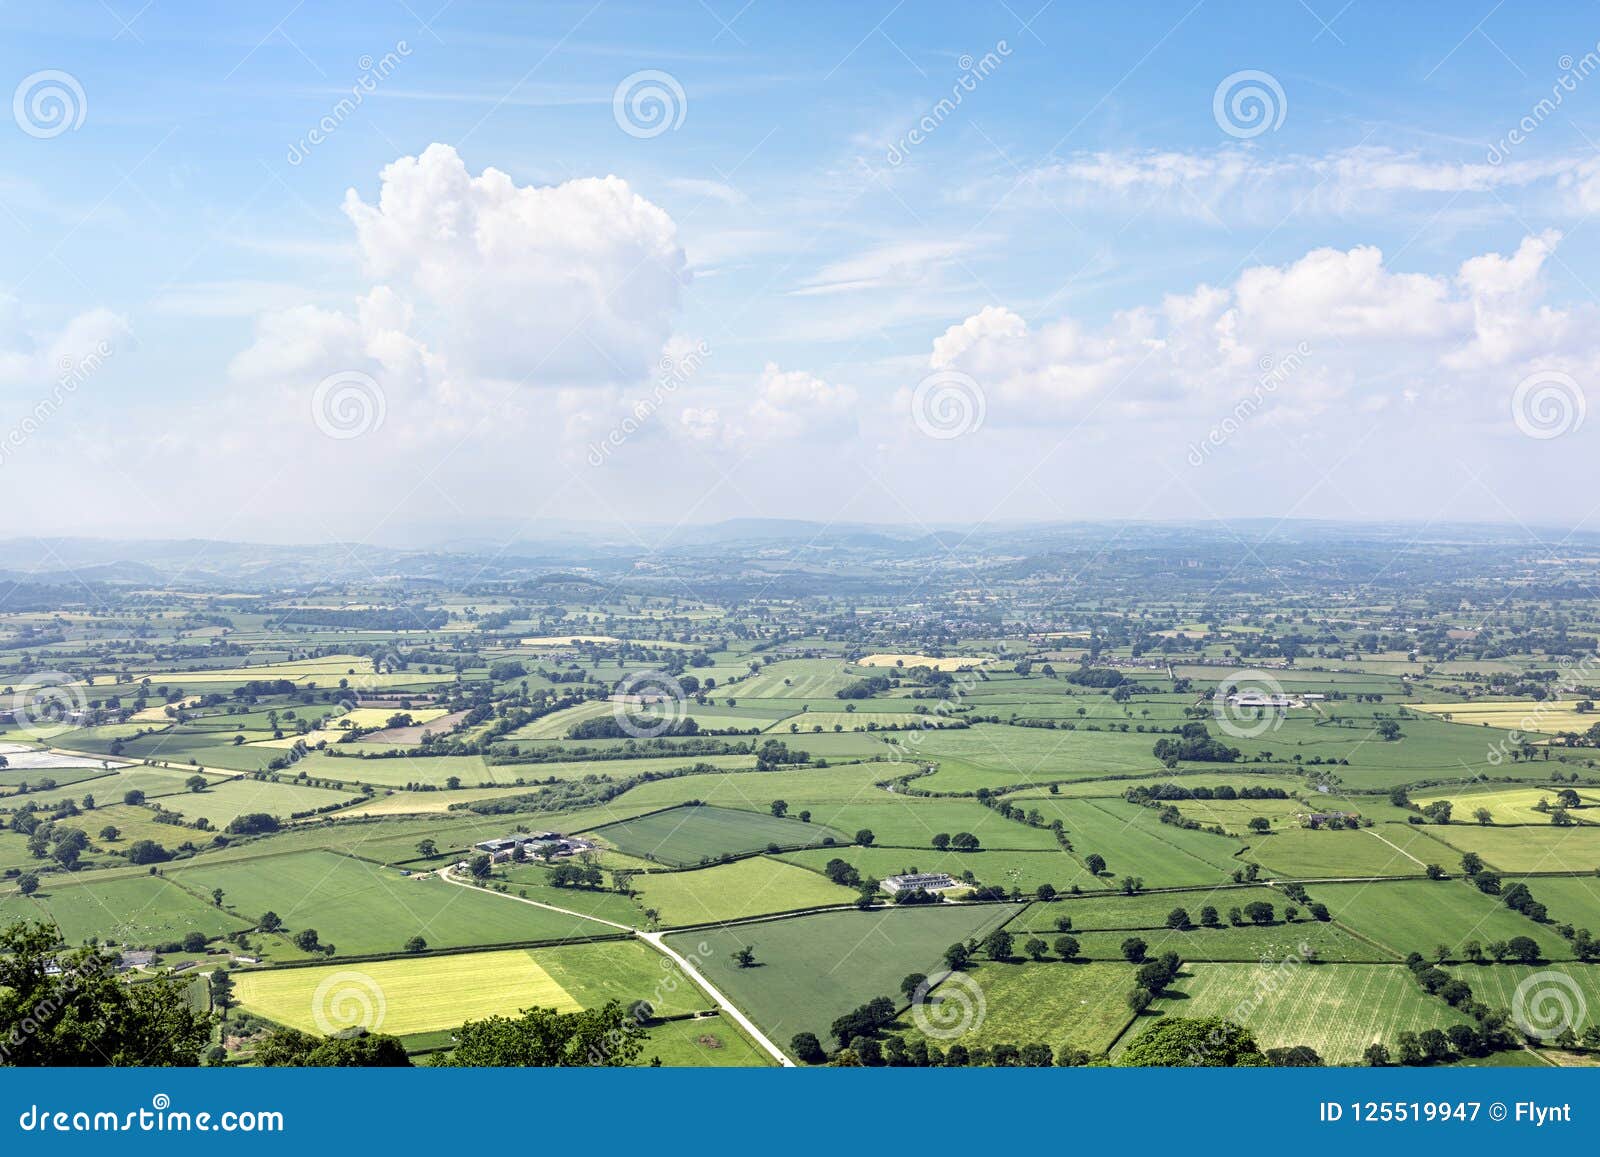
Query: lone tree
[
  {"x": 998, "y": 944},
  {"x": 745, "y": 957},
  {"x": 416, "y": 944},
  {"x": 808, "y": 1048},
  {"x": 780, "y": 808},
  {"x": 269, "y": 922},
  {"x": 1095, "y": 862}
]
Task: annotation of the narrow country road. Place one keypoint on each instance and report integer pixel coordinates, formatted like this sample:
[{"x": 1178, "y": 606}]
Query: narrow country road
[{"x": 656, "y": 940}]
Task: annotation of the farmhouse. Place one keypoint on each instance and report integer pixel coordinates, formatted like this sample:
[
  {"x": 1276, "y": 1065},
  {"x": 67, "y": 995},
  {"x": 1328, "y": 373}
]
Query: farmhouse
[
  {"x": 1317, "y": 819},
  {"x": 1256, "y": 699},
  {"x": 911, "y": 881},
  {"x": 540, "y": 844}
]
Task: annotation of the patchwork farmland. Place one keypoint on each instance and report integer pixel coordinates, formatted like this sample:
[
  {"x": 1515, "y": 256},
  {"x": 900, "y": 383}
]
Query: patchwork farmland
[{"x": 831, "y": 838}]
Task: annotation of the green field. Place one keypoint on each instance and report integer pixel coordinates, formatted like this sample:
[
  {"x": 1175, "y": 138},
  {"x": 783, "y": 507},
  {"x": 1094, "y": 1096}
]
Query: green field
[
  {"x": 1571, "y": 990},
  {"x": 796, "y": 679},
  {"x": 696, "y": 835},
  {"x": 811, "y": 969},
  {"x": 1511, "y": 805},
  {"x": 1572, "y": 900},
  {"x": 702, "y": 1042},
  {"x": 1077, "y": 1006},
  {"x": 1337, "y": 1009},
  {"x": 1419, "y": 915},
  {"x": 908, "y": 821},
  {"x": 361, "y": 907},
  {"x": 1241, "y": 944},
  {"x": 223, "y": 802},
  {"x": 854, "y": 721},
  {"x": 1134, "y": 842},
  {"x": 1000, "y": 756},
  {"x": 1381, "y": 850},
  {"x": 139, "y": 910},
  {"x": 749, "y": 887},
  {"x": 1528, "y": 849},
  {"x": 1113, "y": 911}
]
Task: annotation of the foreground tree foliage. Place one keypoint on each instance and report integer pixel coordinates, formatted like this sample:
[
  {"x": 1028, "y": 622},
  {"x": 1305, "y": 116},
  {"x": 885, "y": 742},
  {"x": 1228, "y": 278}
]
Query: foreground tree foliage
[
  {"x": 1195, "y": 1042},
  {"x": 355, "y": 1049},
  {"x": 86, "y": 1014},
  {"x": 544, "y": 1038}
]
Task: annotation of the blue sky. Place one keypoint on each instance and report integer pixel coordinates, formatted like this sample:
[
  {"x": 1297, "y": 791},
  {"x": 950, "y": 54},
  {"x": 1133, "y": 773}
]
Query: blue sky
[{"x": 920, "y": 262}]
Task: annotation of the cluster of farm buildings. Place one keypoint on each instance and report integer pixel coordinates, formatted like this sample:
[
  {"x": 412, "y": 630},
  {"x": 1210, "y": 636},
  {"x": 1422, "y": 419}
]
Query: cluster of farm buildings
[{"x": 540, "y": 845}]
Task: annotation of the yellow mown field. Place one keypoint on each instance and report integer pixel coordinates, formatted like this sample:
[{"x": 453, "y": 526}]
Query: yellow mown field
[
  {"x": 402, "y": 996},
  {"x": 1549, "y": 717},
  {"x": 950, "y": 663}
]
